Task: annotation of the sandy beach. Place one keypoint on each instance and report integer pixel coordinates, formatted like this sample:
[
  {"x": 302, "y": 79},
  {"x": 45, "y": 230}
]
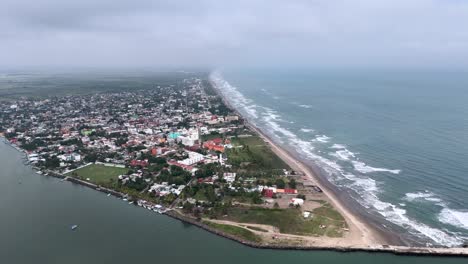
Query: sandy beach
[{"x": 361, "y": 233}]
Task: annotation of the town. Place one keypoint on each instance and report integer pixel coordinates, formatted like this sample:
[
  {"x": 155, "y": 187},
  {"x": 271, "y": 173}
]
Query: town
[{"x": 175, "y": 147}]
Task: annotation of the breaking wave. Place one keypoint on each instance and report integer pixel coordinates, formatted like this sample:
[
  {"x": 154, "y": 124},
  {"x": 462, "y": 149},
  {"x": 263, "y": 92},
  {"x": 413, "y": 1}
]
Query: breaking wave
[
  {"x": 307, "y": 130},
  {"x": 343, "y": 154},
  {"x": 358, "y": 180},
  {"x": 321, "y": 138},
  {"x": 455, "y": 218},
  {"x": 363, "y": 168},
  {"x": 426, "y": 196}
]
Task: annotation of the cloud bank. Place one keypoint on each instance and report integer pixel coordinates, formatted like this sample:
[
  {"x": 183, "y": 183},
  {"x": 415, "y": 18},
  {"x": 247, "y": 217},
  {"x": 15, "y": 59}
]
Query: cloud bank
[{"x": 263, "y": 33}]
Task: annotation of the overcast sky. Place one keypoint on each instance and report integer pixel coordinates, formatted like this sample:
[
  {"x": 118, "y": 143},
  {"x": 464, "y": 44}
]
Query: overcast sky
[{"x": 222, "y": 33}]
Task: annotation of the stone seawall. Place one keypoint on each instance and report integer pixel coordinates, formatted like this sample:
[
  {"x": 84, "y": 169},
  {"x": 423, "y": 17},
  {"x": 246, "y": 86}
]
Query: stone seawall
[{"x": 412, "y": 251}]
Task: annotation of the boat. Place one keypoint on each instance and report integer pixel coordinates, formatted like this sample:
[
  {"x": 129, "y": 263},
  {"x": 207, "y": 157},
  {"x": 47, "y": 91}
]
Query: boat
[
  {"x": 108, "y": 194},
  {"x": 74, "y": 227}
]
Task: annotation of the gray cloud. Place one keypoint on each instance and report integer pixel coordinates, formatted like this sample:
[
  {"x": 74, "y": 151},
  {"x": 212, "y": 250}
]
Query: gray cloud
[{"x": 234, "y": 33}]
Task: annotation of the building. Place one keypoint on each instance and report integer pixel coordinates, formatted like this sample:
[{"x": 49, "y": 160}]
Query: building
[
  {"x": 194, "y": 157},
  {"x": 297, "y": 201}
]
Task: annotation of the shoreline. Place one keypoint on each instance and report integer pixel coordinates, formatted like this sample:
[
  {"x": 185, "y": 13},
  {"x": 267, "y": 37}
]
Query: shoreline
[
  {"x": 371, "y": 234},
  {"x": 396, "y": 250},
  {"x": 368, "y": 234},
  {"x": 369, "y": 239}
]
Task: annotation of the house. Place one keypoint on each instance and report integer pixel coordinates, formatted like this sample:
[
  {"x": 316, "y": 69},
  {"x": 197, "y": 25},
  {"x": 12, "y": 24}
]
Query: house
[
  {"x": 267, "y": 193},
  {"x": 229, "y": 177},
  {"x": 297, "y": 201},
  {"x": 142, "y": 163}
]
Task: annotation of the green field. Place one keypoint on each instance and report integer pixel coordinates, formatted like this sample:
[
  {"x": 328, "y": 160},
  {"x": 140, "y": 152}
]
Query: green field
[
  {"x": 99, "y": 174},
  {"x": 255, "y": 153},
  {"x": 236, "y": 231},
  {"x": 291, "y": 221}
]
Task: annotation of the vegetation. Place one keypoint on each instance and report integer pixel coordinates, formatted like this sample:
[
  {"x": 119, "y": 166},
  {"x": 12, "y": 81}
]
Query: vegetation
[
  {"x": 236, "y": 231},
  {"x": 256, "y": 228},
  {"x": 253, "y": 153},
  {"x": 99, "y": 174},
  {"x": 324, "y": 220}
]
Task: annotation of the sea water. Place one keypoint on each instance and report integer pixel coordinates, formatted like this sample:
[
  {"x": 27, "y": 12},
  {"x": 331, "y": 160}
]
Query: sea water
[{"x": 395, "y": 141}]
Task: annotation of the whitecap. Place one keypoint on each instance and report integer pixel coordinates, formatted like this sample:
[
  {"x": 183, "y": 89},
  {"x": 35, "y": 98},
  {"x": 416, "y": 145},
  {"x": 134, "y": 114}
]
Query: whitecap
[
  {"x": 343, "y": 154},
  {"x": 321, "y": 139},
  {"x": 338, "y": 146},
  {"x": 427, "y": 196},
  {"x": 305, "y": 106},
  {"x": 307, "y": 130},
  {"x": 454, "y": 218},
  {"x": 363, "y": 168}
]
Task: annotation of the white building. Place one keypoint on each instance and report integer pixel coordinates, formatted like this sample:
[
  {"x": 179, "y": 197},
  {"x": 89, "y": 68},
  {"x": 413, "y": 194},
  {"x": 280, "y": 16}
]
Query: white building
[
  {"x": 230, "y": 177},
  {"x": 297, "y": 201},
  {"x": 193, "y": 158}
]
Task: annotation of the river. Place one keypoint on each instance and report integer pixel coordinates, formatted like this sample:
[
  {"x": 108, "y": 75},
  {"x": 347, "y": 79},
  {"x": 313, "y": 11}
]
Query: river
[{"x": 37, "y": 213}]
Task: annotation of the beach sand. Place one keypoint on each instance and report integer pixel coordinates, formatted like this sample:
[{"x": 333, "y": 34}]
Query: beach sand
[{"x": 361, "y": 233}]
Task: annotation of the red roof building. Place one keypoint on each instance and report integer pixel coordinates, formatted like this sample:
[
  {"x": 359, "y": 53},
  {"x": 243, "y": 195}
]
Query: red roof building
[
  {"x": 267, "y": 193},
  {"x": 142, "y": 163}
]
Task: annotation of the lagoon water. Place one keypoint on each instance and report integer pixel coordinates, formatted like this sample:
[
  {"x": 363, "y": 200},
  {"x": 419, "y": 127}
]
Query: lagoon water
[
  {"x": 396, "y": 142},
  {"x": 37, "y": 213}
]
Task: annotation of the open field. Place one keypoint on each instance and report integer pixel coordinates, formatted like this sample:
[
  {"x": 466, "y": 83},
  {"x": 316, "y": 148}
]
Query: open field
[
  {"x": 256, "y": 152},
  {"x": 323, "y": 220},
  {"x": 236, "y": 231},
  {"x": 99, "y": 174}
]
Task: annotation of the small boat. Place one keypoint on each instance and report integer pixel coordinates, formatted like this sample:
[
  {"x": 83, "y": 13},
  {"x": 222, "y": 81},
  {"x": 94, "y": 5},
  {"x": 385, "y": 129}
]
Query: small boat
[
  {"x": 74, "y": 227},
  {"x": 108, "y": 194}
]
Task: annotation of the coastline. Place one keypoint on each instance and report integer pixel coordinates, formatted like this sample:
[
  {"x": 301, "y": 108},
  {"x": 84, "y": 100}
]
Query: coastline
[
  {"x": 362, "y": 234},
  {"x": 365, "y": 229},
  {"x": 396, "y": 250}
]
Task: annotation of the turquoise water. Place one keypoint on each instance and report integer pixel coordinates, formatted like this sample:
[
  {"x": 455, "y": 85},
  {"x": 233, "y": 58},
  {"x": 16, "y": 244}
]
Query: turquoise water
[
  {"x": 396, "y": 142},
  {"x": 37, "y": 213}
]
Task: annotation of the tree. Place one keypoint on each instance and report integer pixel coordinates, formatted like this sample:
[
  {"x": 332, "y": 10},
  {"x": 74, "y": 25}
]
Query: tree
[
  {"x": 52, "y": 162},
  {"x": 292, "y": 184},
  {"x": 280, "y": 183}
]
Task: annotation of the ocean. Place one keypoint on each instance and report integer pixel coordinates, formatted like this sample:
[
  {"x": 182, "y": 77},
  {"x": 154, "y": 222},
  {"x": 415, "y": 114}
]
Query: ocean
[{"x": 396, "y": 142}]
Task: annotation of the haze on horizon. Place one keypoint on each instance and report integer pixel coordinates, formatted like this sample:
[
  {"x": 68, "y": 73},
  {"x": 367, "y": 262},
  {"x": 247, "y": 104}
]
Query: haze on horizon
[{"x": 208, "y": 33}]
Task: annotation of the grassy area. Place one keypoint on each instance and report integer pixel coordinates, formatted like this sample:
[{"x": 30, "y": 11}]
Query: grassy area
[
  {"x": 324, "y": 220},
  {"x": 211, "y": 136},
  {"x": 256, "y": 228},
  {"x": 236, "y": 231},
  {"x": 256, "y": 152},
  {"x": 99, "y": 174}
]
